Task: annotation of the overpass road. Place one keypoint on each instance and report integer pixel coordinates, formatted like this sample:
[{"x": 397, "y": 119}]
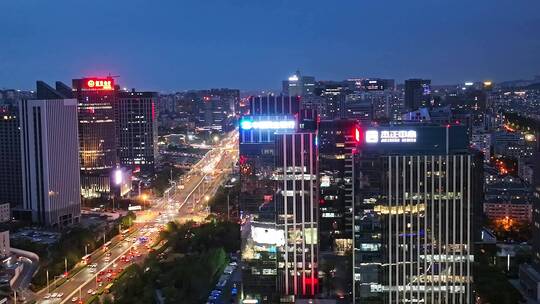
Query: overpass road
[{"x": 185, "y": 200}]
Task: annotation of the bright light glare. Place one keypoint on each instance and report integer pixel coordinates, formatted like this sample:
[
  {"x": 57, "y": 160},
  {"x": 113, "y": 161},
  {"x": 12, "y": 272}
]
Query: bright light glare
[
  {"x": 267, "y": 124},
  {"x": 293, "y": 78},
  {"x": 118, "y": 176}
]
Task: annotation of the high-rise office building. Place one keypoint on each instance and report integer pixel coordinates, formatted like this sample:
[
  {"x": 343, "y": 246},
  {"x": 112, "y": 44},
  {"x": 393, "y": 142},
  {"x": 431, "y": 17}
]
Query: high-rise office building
[
  {"x": 216, "y": 108},
  {"x": 417, "y": 93},
  {"x": 50, "y": 154},
  {"x": 97, "y": 99},
  {"x": 377, "y": 84},
  {"x": 10, "y": 157},
  {"x": 12, "y": 97},
  {"x": 271, "y": 114},
  {"x": 279, "y": 199},
  {"x": 337, "y": 144},
  {"x": 360, "y": 110},
  {"x": 299, "y": 85},
  {"x": 213, "y": 112},
  {"x": 469, "y": 103},
  {"x": 334, "y": 95},
  {"x": 297, "y": 213},
  {"x": 137, "y": 130},
  {"x": 413, "y": 228}
]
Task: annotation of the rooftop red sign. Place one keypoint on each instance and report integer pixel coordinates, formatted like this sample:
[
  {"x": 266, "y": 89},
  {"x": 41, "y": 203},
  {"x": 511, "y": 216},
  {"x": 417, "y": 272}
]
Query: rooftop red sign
[{"x": 98, "y": 84}]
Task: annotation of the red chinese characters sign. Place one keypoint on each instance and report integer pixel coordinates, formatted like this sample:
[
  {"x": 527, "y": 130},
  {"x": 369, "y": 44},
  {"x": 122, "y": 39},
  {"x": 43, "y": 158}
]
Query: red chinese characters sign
[{"x": 98, "y": 84}]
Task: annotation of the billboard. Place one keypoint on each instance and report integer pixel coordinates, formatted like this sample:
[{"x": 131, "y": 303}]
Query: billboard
[
  {"x": 97, "y": 83},
  {"x": 391, "y": 136},
  {"x": 408, "y": 138},
  {"x": 270, "y": 236},
  {"x": 248, "y": 124}
]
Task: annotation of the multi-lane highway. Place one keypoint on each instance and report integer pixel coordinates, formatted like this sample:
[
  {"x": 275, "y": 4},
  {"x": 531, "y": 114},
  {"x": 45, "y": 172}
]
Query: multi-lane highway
[{"x": 185, "y": 200}]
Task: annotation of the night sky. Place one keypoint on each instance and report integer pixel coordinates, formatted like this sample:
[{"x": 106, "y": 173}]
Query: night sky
[{"x": 254, "y": 44}]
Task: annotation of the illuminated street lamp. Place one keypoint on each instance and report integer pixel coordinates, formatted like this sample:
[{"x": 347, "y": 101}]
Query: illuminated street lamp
[
  {"x": 118, "y": 179},
  {"x": 144, "y": 197}
]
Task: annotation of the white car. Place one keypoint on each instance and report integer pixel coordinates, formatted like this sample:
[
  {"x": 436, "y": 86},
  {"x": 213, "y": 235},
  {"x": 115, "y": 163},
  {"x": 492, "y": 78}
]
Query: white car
[
  {"x": 90, "y": 291},
  {"x": 60, "y": 295},
  {"x": 47, "y": 296},
  {"x": 74, "y": 299},
  {"x": 54, "y": 295}
]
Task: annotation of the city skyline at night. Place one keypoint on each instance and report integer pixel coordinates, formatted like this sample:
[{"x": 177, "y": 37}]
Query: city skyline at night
[{"x": 270, "y": 152}]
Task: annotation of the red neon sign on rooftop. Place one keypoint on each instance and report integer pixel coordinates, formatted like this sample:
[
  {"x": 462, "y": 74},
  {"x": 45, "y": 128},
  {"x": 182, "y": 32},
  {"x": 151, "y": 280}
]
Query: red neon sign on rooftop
[{"x": 93, "y": 83}]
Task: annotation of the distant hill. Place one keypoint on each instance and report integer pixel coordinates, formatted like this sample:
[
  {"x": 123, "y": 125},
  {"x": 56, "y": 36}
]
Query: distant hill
[{"x": 534, "y": 86}]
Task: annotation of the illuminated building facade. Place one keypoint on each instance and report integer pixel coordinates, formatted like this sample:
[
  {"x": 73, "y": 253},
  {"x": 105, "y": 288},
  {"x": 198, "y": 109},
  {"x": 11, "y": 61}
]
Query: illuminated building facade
[
  {"x": 510, "y": 198},
  {"x": 359, "y": 110},
  {"x": 50, "y": 166},
  {"x": 413, "y": 228},
  {"x": 337, "y": 144},
  {"x": 261, "y": 238},
  {"x": 333, "y": 95},
  {"x": 297, "y": 213},
  {"x": 279, "y": 200},
  {"x": 137, "y": 130},
  {"x": 417, "y": 93},
  {"x": 378, "y": 84},
  {"x": 216, "y": 108},
  {"x": 97, "y": 99},
  {"x": 10, "y": 156},
  {"x": 299, "y": 85}
]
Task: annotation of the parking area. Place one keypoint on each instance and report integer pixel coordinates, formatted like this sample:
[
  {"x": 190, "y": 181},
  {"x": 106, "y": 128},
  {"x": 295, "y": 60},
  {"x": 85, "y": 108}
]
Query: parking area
[{"x": 227, "y": 288}]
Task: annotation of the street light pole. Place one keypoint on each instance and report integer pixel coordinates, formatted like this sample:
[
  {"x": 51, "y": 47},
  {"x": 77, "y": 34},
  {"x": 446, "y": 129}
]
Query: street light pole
[
  {"x": 228, "y": 208},
  {"x": 48, "y": 281}
]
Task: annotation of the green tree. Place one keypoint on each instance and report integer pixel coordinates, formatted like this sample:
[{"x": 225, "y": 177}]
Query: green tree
[{"x": 127, "y": 220}]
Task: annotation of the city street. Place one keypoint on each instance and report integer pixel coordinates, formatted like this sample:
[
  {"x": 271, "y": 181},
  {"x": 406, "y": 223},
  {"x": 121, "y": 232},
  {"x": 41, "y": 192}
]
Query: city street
[{"x": 186, "y": 200}]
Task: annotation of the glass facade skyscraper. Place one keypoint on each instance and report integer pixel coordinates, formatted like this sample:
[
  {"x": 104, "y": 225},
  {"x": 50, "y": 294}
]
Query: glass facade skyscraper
[
  {"x": 279, "y": 200},
  {"x": 97, "y": 134},
  {"x": 413, "y": 231},
  {"x": 137, "y": 130}
]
